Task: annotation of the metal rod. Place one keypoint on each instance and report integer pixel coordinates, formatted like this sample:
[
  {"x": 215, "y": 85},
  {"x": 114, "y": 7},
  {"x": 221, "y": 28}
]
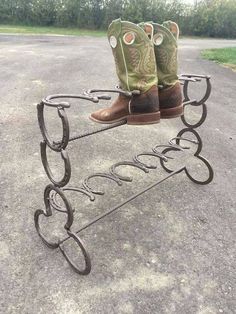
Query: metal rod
[
  {"x": 112, "y": 126},
  {"x": 106, "y": 213}
]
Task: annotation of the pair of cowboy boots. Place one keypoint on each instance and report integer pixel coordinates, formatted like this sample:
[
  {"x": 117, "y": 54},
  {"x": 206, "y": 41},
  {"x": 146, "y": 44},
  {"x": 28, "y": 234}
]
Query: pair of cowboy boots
[{"x": 146, "y": 65}]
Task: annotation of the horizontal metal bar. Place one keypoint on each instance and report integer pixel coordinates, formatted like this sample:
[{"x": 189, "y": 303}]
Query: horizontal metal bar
[
  {"x": 117, "y": 90},
  {"x": 194, "y": 75},
  {"x": 108, "y": 212},
  {"x": 78, "y": 136},
  {"x": 48, "y": 100},
  {"x": 110, "y": 126},
  {"x": 189, "y": 102}
]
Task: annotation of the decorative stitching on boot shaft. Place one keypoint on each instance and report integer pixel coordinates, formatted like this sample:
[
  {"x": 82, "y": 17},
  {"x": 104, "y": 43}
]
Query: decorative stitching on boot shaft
[{"x": 134, "y": 56}]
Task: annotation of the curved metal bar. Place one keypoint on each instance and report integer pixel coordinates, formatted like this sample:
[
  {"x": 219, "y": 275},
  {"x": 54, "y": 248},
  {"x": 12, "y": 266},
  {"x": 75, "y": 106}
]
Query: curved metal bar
[
  {"x": 190, "y": 102},
  {"x": 87, "y": 259},
  {"x": 200, "y": 76},
  {"x": 102, "y": 175},
  {"x": 198, "y": 142},
  {"x": 56, "y": 146},
  {"x": 65, "y": 157},
  {"x": 211, "y": 172},
  {"x": 117, "y": 90},
  {"x": 203, "y": 116},
  {"x": 37, "y": 214},
  {"x": 185, "y": 91},
  {"x": 200, "y": 122},
  {"x": 126, "y": 163},
  {"x": 154, "y": 154},
  {"x": 181, "y": 138},
  {"x": 196, "y": 154},
  {"x": 48, "y": 100},
  {"x": 170, "y": 148},
  {"x": 166, "y": 146},
  {"x": 185, "y": 78},
  {"x": 58, "y": 207},
  {"x": 208, "y": 87},
  {"x": 48, "y": 213}
]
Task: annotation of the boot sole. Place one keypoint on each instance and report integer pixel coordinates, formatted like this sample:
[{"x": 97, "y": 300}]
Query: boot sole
[
  {"x": 145, "y": 118},
  {"x": 135, "y": 119},
  {"x": 172, "y": 112}
]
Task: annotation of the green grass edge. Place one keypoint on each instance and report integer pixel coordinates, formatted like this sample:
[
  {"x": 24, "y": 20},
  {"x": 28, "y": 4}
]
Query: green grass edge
[
  {"x": 223, "y": 56},
  {"x": 43, "y": 30}
]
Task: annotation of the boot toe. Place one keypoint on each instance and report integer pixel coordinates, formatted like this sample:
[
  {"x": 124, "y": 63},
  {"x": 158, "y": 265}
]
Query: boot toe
[{"x": 102, "y": 115}]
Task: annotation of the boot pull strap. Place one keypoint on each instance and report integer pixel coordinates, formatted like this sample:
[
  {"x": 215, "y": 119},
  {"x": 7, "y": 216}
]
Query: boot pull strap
[
  {"x": 148, "y": 28},
  {"x": 173, "y": 28}
]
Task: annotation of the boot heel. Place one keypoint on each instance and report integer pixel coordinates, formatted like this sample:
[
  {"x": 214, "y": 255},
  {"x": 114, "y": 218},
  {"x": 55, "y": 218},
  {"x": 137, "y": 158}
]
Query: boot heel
[
  {"x": 172, "y": 112},
  {"x": 144, "y": 118}
]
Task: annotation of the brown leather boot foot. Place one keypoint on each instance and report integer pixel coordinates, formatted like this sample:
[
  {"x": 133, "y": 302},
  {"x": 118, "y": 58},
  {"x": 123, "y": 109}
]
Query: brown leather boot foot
[
  {"x": 145, "y": 118},
  {"x": 117, "y": 112},
  {"x": 137, "y": 109},
  {"x": 170, "y": 100}
]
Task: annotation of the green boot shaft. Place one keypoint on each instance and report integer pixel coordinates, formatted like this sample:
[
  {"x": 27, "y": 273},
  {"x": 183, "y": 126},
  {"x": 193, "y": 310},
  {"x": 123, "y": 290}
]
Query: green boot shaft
[
  {"x": 165, "y": 47},
  {"x": 134, "y": 56}
]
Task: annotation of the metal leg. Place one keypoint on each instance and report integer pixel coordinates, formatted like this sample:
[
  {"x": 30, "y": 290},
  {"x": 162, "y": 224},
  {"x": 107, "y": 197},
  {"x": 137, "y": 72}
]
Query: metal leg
[{"x": 58, "y": 188}]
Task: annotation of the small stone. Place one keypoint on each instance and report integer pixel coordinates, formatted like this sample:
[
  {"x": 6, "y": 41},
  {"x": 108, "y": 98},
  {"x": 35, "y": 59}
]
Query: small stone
[
  {"x": 126, "y": 246},
  {"x": 220, "y": 310}
]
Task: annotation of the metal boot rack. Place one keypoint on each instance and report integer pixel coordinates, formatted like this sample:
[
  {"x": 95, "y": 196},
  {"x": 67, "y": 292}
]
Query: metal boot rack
[{"x": 56, "y": 189}]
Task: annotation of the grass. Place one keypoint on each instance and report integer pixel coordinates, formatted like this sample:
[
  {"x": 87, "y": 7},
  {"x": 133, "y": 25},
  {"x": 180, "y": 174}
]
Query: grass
[
  {"x": 224, "y": 56},
  {"x": 16, "y": 29}
]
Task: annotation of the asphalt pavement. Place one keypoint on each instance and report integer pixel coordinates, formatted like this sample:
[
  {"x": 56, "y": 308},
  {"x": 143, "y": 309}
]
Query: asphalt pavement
[{"x": 172, "y": 250}]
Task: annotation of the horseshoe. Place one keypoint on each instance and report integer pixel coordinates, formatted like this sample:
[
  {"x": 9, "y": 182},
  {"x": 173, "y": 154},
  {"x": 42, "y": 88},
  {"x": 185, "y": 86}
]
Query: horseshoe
[
  {"x": 67, "y": 172},
  {"x": 56, "y": 146},
  {"x": 48, "y": 213}
]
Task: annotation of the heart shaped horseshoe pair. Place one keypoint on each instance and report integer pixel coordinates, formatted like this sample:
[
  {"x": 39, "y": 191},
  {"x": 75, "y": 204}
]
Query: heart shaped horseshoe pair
[
  {"x": 47, "y": 213},
  {"x": 196, "y": 103},
  {"x": 198, "y": 142}
]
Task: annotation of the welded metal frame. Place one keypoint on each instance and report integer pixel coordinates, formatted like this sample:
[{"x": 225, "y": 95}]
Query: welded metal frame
[{"x": 57, "y": 188}]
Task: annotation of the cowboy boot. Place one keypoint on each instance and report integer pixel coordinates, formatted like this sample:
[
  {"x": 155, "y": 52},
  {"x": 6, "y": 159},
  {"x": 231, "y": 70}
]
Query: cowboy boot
[
  {"x": 136, "y": 69},
  {"x": 165, "y": 38}
]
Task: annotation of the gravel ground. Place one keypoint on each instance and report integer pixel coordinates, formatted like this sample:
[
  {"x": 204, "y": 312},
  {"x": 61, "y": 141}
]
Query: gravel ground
[{"x": 172, "y": 250}]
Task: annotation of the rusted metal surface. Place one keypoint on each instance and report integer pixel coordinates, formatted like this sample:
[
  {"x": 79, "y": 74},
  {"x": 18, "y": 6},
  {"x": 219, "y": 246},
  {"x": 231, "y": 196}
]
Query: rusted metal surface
[{"x": 56, "y": 189}]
